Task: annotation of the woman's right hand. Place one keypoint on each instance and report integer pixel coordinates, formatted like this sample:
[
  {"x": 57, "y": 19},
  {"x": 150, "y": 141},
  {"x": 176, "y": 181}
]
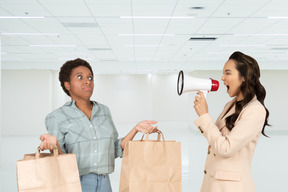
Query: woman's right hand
[{"x": 48, "y": 142}]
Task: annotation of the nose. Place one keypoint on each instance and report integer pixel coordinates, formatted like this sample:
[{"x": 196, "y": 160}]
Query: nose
[
  {"x": 87, "y": 81},
  {"x": 223, "y": 78}
]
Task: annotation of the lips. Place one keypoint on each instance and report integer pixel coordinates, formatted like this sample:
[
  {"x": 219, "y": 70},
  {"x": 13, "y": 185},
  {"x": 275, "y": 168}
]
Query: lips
[{"x": 87, "y": 88}]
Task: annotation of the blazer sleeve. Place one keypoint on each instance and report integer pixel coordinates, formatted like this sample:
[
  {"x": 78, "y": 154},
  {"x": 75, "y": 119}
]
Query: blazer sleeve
[{"x": 248, "y": 125}]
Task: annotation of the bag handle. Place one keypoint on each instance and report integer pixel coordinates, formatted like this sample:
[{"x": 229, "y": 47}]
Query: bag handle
[
  {"x": 158, "y": 138},
  {"x": 54, "y": 152}
]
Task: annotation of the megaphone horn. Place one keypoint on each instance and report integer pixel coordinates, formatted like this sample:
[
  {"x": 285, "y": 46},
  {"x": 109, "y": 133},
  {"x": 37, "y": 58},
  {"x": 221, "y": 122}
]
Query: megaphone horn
[{"x": 188, "y": 83}]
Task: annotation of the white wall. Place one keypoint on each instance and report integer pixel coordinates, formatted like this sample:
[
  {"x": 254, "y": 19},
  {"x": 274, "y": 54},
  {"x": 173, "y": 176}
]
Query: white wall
[
  {"x": 26, "y": 99},
  {"x": 29, "y": 95},
  {"x": 0, "y": 97}
]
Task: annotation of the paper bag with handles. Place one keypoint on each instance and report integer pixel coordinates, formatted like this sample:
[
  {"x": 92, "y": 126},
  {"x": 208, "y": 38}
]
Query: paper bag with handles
[
  {"x": 151, "y": 166},
  {"x": 48, "y": 172}
]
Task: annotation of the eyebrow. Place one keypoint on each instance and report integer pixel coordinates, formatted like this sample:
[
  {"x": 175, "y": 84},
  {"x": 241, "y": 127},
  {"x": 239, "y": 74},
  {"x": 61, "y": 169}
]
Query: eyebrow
[
  {"x": 228, "y": 70},
  {"x": 82, "y": 73}
]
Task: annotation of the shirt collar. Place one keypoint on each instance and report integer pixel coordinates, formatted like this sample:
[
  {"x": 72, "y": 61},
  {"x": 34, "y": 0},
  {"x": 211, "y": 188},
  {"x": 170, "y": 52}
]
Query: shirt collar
[{"x": 72, "y": 104}]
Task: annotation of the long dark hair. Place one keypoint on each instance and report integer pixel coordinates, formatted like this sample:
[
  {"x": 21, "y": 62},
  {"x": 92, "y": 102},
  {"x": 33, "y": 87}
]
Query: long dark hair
[{"x": 249, "y": 69}]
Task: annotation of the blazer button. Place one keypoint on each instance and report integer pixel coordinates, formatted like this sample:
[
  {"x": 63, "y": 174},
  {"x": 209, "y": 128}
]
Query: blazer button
[
  {"x": 200, "y": 129},
  {"x": 205, "y": 172}
]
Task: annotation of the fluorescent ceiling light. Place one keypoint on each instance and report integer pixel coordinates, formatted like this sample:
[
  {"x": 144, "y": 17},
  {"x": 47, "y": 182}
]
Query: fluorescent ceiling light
[
  {"x": 21, "y": 17},
  {"x": 43, "y": 34},
  {"x": 52, "y": 45},
  {"x": 147, "y": 34},
  {"x": 11, "y": 59},
  {"x": 143, "y": 59},
  {"x": 155, "y": 17},
  {"x": 262, "y": 34},
  {"x": 66, "y": 59},
  {"x": 143, "y": 45},
  {"x": 278, "y": 17},
  {"x": 243, "y": 45}
]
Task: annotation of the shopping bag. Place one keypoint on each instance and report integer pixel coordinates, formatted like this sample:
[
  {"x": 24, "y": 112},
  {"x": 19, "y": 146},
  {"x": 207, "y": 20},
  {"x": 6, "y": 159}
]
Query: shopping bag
[
  {"x": 48, "y": 172},
  {"x": 151, "y": 166}
]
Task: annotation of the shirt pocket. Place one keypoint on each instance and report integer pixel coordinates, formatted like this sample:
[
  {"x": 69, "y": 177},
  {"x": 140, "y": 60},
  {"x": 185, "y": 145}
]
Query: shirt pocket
[{"x": 228, "y": 175}]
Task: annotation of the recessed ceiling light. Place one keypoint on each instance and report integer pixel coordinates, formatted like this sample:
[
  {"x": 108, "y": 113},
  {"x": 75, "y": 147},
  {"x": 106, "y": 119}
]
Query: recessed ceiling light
[
  {"x": 21, "y": 17},
  {"x": 143, "y": 45},
  {"x": 147, "y": 34},
  {"x": 143, "y": 59},
  {"x": 262, "y": 34},
  {"x": 67, "y": 59},
  {"x": 243, "y": 45},
  {"x": 41, "y": 34},
  {"x": 12, "y": 59},
  {"x": 88, "y": 25},
  {"x": 156, "y": 17},
  {"x": 278, "y": 17},
  {"x": 52, "y": 45}
]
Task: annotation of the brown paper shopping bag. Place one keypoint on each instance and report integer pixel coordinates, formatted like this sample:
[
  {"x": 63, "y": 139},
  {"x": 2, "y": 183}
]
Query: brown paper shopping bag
[
  {"x": 46, "y": 172},
  {"x": 151, "y": 166}
]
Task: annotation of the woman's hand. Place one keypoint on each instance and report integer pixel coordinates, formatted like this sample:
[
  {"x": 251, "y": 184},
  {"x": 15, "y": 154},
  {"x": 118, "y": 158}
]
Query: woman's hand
[
  {"x": 200, "y": 104},
  {"x": 48, "y": 142},
  {"x": 146, "y": 127}
]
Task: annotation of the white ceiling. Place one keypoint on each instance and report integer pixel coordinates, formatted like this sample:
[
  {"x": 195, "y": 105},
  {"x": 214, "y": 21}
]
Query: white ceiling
[{"x": 156, "y": 40}]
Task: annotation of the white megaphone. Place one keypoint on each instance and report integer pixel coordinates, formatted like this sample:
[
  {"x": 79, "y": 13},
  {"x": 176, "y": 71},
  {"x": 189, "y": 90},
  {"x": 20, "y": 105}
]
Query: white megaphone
[{"x": 188, "y": 83}]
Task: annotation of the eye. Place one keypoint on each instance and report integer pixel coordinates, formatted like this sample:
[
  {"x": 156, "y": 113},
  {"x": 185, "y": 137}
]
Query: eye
[
  {"x": 90, "y": 78},
  {"x": 79, "y": 77}
]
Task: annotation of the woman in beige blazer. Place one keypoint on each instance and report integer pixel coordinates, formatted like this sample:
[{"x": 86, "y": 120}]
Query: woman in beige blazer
[{"x": 233, "y": 137}]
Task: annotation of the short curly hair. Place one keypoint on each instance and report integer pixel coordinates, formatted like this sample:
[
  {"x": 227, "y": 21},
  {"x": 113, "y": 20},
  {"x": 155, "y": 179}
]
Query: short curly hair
[{"x": 66, "y": 69}]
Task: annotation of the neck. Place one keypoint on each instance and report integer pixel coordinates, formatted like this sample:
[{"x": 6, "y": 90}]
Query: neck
[
  {"x": 84, "y": 105},
  {"x": 239, "y": 97}
]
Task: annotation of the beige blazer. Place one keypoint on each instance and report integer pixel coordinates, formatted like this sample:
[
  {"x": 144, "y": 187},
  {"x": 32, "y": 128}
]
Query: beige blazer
[{"x": 228, "y": 163}]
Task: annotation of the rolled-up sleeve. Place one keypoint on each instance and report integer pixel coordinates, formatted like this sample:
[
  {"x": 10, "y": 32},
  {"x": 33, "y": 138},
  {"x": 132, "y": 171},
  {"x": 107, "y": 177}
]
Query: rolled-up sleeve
[
  {"x": 52, "y": 126},
  {"x": 117, "y": 141}
]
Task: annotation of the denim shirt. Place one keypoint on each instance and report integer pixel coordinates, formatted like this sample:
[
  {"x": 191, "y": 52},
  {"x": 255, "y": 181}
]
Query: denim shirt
[{"x": 95, "y": 142}]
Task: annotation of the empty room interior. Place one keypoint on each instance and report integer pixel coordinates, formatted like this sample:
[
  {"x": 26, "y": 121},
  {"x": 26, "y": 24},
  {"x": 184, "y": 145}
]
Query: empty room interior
[{"x": 137, "y": 49}]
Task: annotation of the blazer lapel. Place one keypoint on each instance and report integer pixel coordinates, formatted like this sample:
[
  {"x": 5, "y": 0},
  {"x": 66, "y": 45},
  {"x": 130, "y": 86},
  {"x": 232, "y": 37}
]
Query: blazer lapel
[{"x": 220, "y": 122}]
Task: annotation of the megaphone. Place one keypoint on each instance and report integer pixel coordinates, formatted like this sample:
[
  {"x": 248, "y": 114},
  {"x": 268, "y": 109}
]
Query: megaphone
[{"x": 188, "y": 83}]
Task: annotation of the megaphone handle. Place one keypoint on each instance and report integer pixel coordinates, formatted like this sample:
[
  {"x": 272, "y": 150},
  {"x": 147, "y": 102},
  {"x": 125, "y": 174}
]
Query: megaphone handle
[{"x": 204, "y": 92}]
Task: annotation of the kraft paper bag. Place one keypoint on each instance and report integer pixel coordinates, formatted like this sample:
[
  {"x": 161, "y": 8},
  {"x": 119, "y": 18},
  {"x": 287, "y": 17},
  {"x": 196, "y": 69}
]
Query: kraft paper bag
[
  {"x": 151, "y": 166},
  {"x": 48, "y": 172}
]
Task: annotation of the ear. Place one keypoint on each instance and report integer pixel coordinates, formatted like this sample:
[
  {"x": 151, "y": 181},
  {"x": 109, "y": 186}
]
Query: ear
[{"x": 67, "y": 85}]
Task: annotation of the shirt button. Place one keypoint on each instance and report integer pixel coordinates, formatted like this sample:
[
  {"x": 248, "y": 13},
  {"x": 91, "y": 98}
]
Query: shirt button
[
  {"x": 95, "y": 164},
  {"x": 91, "y": 126},
  {"x": 94, "y": 137},
  {"x": 95, "y": 151}
]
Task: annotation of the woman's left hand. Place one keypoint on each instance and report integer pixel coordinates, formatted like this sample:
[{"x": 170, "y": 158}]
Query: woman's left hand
[
  {"x": 200, "y": 104},
  {"x": 146, "y": 127}
]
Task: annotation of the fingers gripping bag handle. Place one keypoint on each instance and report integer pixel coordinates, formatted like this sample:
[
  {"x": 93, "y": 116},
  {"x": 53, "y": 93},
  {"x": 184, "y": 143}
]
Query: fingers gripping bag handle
[
  {"x": 160, "y": 134},
  {"x": 54, "y": 152}
]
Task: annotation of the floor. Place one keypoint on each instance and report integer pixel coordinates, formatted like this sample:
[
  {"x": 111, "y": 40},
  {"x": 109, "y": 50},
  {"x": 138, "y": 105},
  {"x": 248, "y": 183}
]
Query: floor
[{"x": 269, "y": 167}]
